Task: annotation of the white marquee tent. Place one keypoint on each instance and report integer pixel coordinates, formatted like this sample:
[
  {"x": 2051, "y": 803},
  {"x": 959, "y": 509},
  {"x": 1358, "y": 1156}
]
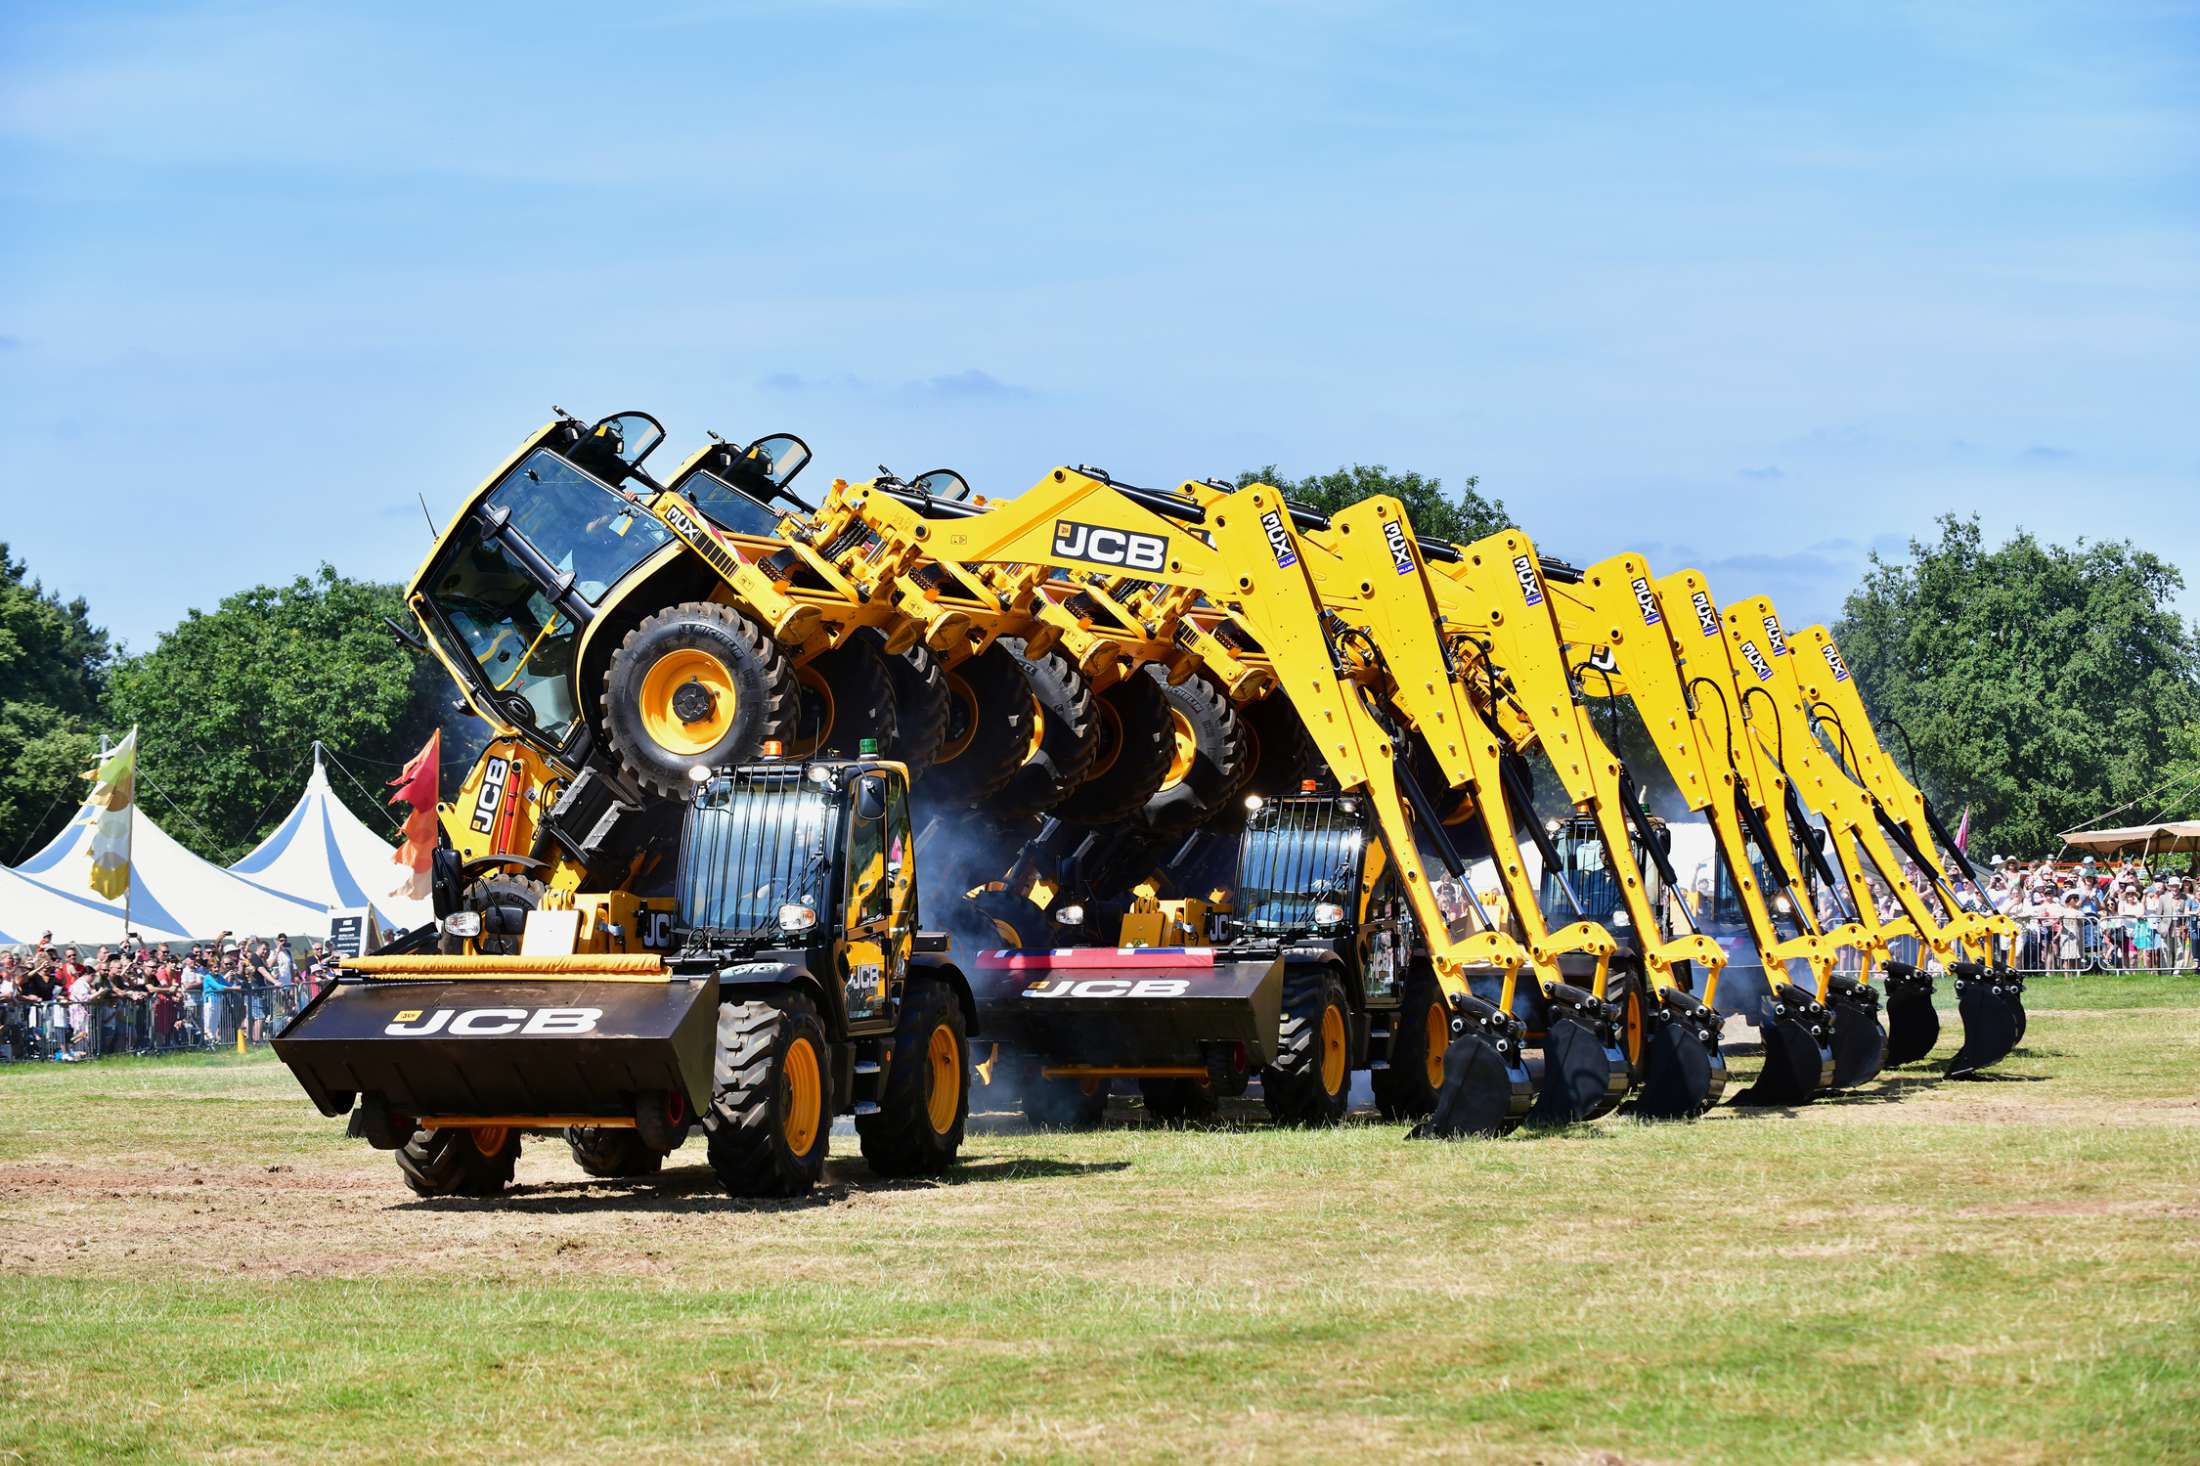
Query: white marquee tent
[{"x": 324, "y": 854}]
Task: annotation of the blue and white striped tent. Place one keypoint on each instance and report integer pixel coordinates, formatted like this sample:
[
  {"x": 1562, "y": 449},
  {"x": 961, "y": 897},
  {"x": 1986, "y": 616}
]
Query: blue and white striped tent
[{"x": 325, "y": 855}]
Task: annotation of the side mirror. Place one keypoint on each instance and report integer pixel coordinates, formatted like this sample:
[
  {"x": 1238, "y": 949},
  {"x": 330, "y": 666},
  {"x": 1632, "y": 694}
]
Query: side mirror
[{"x": 871, "y": 797}]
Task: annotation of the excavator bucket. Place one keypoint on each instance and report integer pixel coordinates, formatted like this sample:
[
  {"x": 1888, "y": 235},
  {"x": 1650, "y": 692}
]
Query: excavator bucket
[
  {"x": 1683, "y": 1071},
  {"x": 1913, "y": 1023},
  {"x": 2012, "y": 993},
  {"x": 1798, "y": 1040},
  {"x": 1859, "y": 1042},
  {"x": 1990, "y": 1019},
  {"x": 1487, "y": 1089},
  {"x": 1584, "y": 1068}
]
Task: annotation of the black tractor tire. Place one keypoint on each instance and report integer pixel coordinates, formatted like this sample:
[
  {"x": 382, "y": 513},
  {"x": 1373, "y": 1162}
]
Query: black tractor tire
[
  {"x": 918, "y": 1128},
  {"x": 1064, "y": 741},
  {"x": 1283, "y": 752},
  {"x": 1210, "y": 754},
  {"x": 706, "y": 636},
  {"x": 603, "y": 1150},
  {"x": 503, "y": 899},
  {"x": 1628, "y": 991},
  {"x": 1065, "y": 1104},
  {"x": 1420, "y": 1034},
  {"x": 767, "y": 1129},
  {"x": 1310, "y": 1082},
  {"x": 920, "y": 709},
  {"x": 843, "y": 698},
  {"x": 988, "y": 729},
  {"x": 1137, "y": 740},
  {"x": 453, "y": 1163},
  {"x": 1180, "y": 1101}
]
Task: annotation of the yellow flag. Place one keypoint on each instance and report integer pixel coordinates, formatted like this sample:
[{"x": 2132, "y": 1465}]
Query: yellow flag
[{"x": 114, "y": 790}]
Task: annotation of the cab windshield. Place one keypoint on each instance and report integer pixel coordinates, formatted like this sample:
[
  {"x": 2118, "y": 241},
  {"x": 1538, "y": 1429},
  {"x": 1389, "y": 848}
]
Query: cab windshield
[
  {"x": 1589, "y": 871},
  {"x": 753, "y": 842},
  {"x": 576, "y": 523},
  {"x": 1295, "y": 854},
  {"x": 727, "y": 507}
]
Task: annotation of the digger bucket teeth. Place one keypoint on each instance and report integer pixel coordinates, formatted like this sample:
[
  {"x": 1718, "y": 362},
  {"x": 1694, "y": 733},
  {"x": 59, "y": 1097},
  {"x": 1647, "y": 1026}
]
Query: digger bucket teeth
[
  {"x": 1584, "y": 1068},
  {"x": 1859, "y": 1041},
  {"x": 1683, "y": 1072},
  {"x": 1913, "y": 1023},
  {"x": 1990, "y": 1019},
  {"x": 1486, "y": 1088},
  {"x": 1798, "y": 1041}
]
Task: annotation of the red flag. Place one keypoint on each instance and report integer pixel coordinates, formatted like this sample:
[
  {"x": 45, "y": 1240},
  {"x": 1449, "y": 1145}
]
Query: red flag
[
  {"x": 1963, "y": 831},
  {"x": 419, "y": 786}
]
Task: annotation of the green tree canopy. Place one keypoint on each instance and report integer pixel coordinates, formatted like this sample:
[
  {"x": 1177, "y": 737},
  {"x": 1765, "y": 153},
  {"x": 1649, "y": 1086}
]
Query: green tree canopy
[
  {"x": 231, "y": 701},
  {"x": 1434, "y": 513},
  {"x": 2043, "y": 685},
  {"x": 53, "y": 672}
]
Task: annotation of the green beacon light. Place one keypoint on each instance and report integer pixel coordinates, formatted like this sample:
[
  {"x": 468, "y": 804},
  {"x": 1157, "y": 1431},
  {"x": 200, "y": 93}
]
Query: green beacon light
[{"x": 868, "y": 748}]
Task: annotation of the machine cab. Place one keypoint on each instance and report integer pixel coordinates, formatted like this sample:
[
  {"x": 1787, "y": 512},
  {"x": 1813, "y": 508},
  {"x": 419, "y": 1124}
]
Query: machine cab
[
  {"x": 520, "y": 574},
  {"x": 1586, "y": 866},
  {"x": 1311, "y": 871},
  {"x": 812, "y": 861},
  {"x": 735, "y": 487}
]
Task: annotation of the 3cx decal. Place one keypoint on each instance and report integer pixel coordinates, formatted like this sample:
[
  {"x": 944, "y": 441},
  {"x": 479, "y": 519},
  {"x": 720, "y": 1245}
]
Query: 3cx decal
[
  {"x": 1757, "y": 662},
  {"x": 1099, "y": 545},
  {"x": 1394, "y": 535},
  {"x": 1707, "y": 615},
  {"x": 685, "y": 527},
  {"x": 1775, "y": 635},
  {"x": 491, "y": 1022},
  {"x": 1834, "y": 664},
  {"x": 1279, "y": 540},
  {"x": 493, "y": 775},
  {"x": 1531, "y": 584},
  {"x": 1112, "y": 987},
  {"x": 1648, "y": 600}
]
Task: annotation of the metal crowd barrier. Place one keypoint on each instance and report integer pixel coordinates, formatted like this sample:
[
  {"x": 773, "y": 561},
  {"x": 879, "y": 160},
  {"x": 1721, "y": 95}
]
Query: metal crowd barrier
[{"x": 60, "y": 1030}]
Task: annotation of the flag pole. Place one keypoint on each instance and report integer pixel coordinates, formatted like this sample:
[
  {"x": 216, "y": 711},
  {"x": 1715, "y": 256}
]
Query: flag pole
[{"x": 129, "y": 840}]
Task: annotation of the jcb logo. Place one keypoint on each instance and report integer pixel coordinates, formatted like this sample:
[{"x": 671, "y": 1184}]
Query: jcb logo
[
  {"x": 1531, "y": 584},
  {"x": 493, "y": 775},
  {"x": 1394, "y": 535},
  {"x": 685, "y": 527},
  {"x": 1648, "y": 600},
  {"x": 1757, "y": 662},
  {"x": 1707, "y": 615},
  {"x": 492, "y": 1022},
  {"x": 1775, "y": 636},
  {"x": 1111, "y": 987},
  {"x": 1103, "y": 546},
  {"x": 1834, "y": 664},
  {"x": 1279, "y": 540},
  {"x": 656, "y": 929}
]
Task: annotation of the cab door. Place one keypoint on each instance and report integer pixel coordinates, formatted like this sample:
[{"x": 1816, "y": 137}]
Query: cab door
[
  {"x": 1384, "y": 927},
  {"x": 878, "y": 908}
]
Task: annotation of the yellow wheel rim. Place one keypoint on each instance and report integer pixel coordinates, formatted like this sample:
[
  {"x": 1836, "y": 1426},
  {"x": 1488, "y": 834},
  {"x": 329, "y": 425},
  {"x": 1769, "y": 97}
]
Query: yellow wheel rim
[
  {"x": 1038, "y": 730},
  {"x": 943, "y": 1056},
  {"x": 805, "y": 1097},
  {"x": 1632, "y": 1018},
  {"x": 1183, "y": 748},
  {"x": 489, "y": 1139},
  {"x": 1333, "y": 1056},
  {"x": 962, "y": 720},
  {"x": 816, "y": 722},
  {"x": 1439, "y": 1039},
  {"x": 1111, "y": 739},
  {"x": 665, "y": 681}
]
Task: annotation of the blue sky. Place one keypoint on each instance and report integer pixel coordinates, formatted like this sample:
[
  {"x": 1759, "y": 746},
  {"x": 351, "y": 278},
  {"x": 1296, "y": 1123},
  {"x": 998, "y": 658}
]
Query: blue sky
[{"x": 1744, "y": 287}]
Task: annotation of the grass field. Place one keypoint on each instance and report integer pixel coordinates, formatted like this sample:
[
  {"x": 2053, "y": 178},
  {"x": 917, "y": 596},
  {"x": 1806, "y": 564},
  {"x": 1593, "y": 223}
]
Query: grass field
[{"x": 196, "y": 1264}]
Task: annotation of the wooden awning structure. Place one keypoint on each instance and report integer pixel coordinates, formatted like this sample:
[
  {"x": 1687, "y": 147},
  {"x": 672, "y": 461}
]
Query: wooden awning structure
[{"x": 2171, "y": 835}]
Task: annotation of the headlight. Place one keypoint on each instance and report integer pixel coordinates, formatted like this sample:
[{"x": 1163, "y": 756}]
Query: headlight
[
  {"x": 1253, "y": 802},
  {"x": 795, "y": 917},
  {"x": 1327, "y": 913},
  {"x": 1619, "y": 919},
  {"x": 1070, "y": 915},
  {"x": 1782, "y": 905},
  {"x": 461, "y": 924}
]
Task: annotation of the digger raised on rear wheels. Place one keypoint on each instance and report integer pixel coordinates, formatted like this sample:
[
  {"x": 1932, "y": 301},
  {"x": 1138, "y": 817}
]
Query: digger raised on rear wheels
[
  {"x": 1210, "y": 754},
  {"x": 989, "y": 729},
  {"x": 695, "y": 684},
  {"x": 1061, "y": 732},
  {"x": 1137, "y": 742},
  {"x": 918, "y": 1126},
  {"x": 844, "y": 698},
  {"x": 459, "y": 1161},
  {"x": 1310, "y": 1080},
  {"x": 770, "y": 1121},
  {"x": 922, "y": 704}
]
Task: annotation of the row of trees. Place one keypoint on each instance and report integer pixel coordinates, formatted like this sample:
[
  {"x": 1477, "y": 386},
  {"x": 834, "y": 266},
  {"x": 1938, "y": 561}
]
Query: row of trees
[{"x": 2039, "y": 685}]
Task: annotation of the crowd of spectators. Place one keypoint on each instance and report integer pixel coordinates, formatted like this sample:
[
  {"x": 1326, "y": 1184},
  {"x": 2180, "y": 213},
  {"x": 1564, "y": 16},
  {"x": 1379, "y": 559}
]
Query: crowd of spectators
[
  {"x": 2123, "y": 914},
  {"x": 67, "y": 1003}
]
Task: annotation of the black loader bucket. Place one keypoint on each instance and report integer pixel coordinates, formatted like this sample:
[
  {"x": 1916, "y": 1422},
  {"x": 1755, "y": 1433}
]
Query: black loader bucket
[
  {"x": 1131, "y": 1007},
  {"x": 1798, "y": 1039},
  {"x": 1487, "y": 1089},
  {"x": 1584, "y": 1069},
  {"x": 1990, "y": 1019},
  {"x": 1859, "y": 1043},
  {"x": 2012, "y": 993},
  {"x": 1913, "y": 1023},
  {"x": 535, "y": 1039},
  {"x": 1683, "y": 1071}
]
